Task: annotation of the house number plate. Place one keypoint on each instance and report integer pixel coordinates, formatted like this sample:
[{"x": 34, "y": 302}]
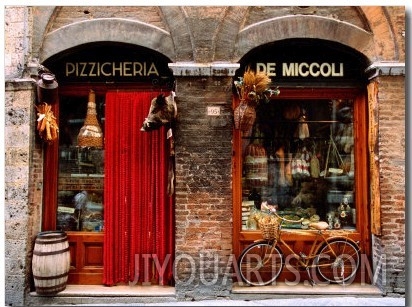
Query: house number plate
[{"x": 213, "y": 111}]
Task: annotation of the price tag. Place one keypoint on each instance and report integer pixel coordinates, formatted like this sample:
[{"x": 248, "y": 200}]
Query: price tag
[{"x": 65, "y": 209}]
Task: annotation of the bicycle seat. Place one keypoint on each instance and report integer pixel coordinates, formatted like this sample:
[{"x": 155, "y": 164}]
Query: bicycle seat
[{"x": 319, "y": 225}]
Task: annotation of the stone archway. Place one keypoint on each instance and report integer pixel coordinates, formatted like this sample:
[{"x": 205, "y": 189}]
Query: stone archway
[
  {"x": 280, "y": 28},
  {"x": 115, "y": 30}
]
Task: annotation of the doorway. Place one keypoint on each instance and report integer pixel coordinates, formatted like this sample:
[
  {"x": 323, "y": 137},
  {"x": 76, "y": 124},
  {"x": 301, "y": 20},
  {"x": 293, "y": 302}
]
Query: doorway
[{"x": 111, "y": 244}]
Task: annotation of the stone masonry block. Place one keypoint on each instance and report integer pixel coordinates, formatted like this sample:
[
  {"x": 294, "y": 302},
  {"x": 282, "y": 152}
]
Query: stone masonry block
[
  {"x": 17, "y": 156},
  {"x": 16, "y": 174},
  {"x": 16, "y": 14},
  {"x": 17, "y": 116},
  {"x": 14, "y": 290},
  {"x": 15, "y": 265},
  {"x": 18, "y": 229},
  {"x": 23, "y": 98},
  {"x": 17, "y": 136},
  {"x": 15, "y": 249},
  {"x": 16, "y": 210}
]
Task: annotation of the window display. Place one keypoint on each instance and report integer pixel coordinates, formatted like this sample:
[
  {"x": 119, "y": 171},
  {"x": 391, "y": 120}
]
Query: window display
[
  {"x": 81, "y": 168},
  {"x": 298, "y": 158}
]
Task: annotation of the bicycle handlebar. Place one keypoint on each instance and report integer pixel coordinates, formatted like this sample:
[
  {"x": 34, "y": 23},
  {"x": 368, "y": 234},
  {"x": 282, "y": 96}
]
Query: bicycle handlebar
[{"x": 287, "y": 220}]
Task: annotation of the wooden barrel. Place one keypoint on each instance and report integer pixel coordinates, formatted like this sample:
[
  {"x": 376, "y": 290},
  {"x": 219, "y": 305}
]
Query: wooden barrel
[{"x": 51, "y": 262}]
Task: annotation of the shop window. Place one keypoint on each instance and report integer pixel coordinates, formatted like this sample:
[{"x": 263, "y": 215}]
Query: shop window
[
  {"x": 81, "y": 169},
  {"x": 298, "y": 158}
]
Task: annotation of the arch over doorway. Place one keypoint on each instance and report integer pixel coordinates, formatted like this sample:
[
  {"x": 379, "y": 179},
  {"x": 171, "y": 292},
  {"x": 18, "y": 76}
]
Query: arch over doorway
[
  {"x": 298, "y": 26},
  {"x": 115, "y": 30}
]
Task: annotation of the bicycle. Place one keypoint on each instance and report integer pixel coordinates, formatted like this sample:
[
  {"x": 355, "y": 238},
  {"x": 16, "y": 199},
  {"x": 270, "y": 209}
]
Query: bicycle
[{"x": 335, "y": 258}]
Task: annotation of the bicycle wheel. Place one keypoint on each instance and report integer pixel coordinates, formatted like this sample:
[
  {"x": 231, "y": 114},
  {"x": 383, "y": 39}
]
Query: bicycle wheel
[
  {"x": 260, "y": 263},
  {"x": 338, "y": 261}
]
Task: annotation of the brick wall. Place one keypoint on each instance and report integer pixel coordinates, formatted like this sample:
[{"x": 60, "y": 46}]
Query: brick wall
[
  {"x": 203, "y": 185},
  {"x": 391, "y": 245},
  {"x": 203, "y": 143}
]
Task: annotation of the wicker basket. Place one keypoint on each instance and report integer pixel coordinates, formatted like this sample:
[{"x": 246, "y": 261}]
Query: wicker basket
[
  {"x": 238, "y": 114},
  {"x": 269, "y": 227},
  {"x": 91, "y": 134},
  {"x": 248, "y": 120}
]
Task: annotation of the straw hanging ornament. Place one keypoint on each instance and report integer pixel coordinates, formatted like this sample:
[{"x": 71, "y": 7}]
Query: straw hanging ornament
[
  {"x": 251, "y": 88},
  {"x": 91, "y": 134},
  {"x": 46, "y": 123},
  {"x": 302, "y": 131}
]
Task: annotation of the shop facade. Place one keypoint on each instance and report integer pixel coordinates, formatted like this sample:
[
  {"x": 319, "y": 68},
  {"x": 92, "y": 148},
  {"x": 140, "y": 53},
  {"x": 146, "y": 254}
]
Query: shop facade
[{"x": 175, "y": 206}]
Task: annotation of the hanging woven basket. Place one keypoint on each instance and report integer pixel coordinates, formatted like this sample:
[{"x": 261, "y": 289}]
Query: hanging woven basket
[{"x": 91, "y": 134}]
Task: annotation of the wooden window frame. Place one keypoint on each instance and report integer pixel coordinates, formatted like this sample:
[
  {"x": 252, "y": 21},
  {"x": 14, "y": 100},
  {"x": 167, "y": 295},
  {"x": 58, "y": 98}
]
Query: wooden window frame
[
  {"x": 86, "y": 248},
  {"x": 362, "y": 234},
  {"x": 51, "y": 151}
]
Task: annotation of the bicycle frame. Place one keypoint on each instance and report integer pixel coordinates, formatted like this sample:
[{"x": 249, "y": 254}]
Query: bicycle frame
[
  {"x": 306, "y": 261},
  {"x": 334, "y": 256}
]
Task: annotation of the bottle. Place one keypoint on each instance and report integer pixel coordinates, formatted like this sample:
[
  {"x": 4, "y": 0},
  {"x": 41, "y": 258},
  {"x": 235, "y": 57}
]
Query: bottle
[{"x": 91, "y": 134}]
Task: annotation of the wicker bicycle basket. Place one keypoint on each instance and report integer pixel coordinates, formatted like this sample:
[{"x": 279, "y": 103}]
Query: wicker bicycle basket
[{"x": 269, "y": 227}]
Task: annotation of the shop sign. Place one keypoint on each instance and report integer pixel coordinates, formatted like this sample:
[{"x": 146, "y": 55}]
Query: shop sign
[
  {"x": 111, "y": 64},
  {"x": 306, "y": 71},
  {"x": 303, "y": 69},
  {"x": 312, "y": 62},
  {"x": 111, "y": 69}
]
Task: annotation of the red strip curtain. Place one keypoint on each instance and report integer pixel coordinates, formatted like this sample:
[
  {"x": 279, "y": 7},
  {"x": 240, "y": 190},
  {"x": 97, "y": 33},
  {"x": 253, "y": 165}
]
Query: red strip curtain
[{"x": 138, "y": 212}]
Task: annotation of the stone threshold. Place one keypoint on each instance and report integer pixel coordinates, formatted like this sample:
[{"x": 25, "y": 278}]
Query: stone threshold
[
  {"x": 305, "y": 288},
  {"x": 115, "y": 291},
  {"x": 280, "y": 288}
]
